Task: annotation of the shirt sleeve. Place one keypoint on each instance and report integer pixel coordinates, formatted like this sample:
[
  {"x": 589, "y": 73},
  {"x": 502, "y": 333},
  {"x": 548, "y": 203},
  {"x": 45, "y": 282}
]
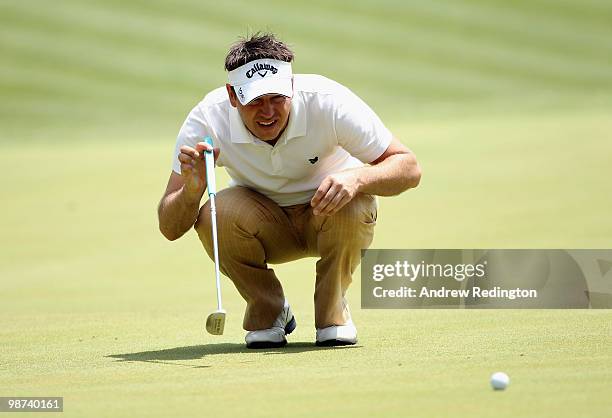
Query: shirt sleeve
[
  {"x": 359, "y": 130},
  {"x": 194, "y": 129}
]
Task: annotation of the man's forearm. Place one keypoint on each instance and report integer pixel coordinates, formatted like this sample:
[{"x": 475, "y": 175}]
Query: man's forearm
[
  {"x": 396, "y": 174},
  {"x": 177, "y": 212}
]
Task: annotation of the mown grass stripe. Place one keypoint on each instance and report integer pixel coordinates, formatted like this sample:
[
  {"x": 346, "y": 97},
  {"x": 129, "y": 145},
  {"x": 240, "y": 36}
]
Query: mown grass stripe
[
  {"x": 503, "y": 69},
  {"x": 444, "y": 25},
  {"x": 130, "y": 67},
  {"x": 590, "y": 14},
  {"x": 396, "y": 35},
  {"x": 99, "y": 67},
  {"x": 141, "y": 56}
]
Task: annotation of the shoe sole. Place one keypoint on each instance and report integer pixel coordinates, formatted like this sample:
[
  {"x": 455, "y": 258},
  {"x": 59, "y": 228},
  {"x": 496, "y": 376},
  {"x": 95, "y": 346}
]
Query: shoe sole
[
  {"x": 334, "y": 343},
  {"x": 271, "y": 344}
]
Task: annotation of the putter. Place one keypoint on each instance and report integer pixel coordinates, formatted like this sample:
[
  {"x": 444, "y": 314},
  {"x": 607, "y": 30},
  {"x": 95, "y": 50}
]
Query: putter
[{"x": 215, "y": 323}]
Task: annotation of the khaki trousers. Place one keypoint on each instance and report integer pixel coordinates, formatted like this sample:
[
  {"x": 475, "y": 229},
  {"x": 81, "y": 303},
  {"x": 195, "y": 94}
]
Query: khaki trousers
[{"x": 254, "y": 231}]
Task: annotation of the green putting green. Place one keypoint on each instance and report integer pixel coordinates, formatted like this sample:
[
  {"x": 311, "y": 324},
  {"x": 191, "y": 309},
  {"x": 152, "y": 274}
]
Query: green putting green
[{"x": 506, "y": 104}]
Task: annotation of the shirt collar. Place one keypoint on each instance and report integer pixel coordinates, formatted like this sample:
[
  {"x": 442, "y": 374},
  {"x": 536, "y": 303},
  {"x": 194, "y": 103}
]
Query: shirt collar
[{"x": 296, "y": 126}]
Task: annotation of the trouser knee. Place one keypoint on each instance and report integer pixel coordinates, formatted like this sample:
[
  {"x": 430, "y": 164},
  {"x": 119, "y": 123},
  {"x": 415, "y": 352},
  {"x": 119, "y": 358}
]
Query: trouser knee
[
  {"x": 228, "y": 218},
  {"x": 354, "y": 224}
]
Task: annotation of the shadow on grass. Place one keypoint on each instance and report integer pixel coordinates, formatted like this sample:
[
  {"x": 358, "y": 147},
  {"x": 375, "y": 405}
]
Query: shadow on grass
[{"x": 196, "y": 352}]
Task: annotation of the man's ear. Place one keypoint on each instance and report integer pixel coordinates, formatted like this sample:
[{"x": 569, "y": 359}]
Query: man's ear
[{"x": 232, "y": 95}]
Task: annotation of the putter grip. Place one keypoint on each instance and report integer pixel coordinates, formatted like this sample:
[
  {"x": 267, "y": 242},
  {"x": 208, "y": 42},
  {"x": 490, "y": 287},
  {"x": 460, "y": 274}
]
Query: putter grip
[{"x": 209, "y": 160}]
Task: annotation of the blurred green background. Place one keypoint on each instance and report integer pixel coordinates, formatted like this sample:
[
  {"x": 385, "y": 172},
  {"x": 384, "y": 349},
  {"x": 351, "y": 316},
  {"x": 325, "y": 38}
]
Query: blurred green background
[
  {"x": 506, "y": 104},
  {"x": 77, "y": 68}
]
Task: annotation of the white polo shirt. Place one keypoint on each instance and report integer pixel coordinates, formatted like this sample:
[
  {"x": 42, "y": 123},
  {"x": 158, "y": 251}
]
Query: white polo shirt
[{"x": 330, "y": 129}]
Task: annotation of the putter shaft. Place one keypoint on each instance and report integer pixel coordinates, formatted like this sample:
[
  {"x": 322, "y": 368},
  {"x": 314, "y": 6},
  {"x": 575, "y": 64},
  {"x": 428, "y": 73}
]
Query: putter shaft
[
  {"x": 213, "y": 214},
  {"x": 215, "y": 322}
]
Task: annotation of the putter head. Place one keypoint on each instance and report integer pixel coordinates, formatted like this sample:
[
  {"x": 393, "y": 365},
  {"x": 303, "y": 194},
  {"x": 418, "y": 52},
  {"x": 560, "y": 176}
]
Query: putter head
[{"x": 215, "y": 323}]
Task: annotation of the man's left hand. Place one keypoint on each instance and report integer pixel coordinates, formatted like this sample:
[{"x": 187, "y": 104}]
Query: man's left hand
[{"x": 335, "y": 191}]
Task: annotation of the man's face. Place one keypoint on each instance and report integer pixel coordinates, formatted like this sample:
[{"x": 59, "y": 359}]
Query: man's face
[{"x": 266, "y": 116}]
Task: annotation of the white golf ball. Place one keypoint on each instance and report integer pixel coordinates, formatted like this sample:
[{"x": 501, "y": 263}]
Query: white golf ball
[{"x": 499, "y": 380}]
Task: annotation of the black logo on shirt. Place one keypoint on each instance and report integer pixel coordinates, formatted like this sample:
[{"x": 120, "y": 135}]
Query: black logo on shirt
[
  {"x": 313, "y": 160},
  {"x": 261, "y": 69}
]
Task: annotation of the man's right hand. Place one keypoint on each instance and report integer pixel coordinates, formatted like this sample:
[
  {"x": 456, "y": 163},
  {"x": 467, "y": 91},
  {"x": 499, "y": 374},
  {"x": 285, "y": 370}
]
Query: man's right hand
[{"x": 193, "y": 168}]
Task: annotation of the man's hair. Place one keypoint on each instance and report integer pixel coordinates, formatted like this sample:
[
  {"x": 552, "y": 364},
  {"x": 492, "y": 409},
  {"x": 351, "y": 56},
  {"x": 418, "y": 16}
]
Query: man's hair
[{"x": 258, "y": 46}]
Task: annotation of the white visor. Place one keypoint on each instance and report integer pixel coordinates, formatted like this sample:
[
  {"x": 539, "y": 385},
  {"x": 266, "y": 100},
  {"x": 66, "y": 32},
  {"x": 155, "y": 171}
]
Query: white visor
[{"x": 259, "y": 77}]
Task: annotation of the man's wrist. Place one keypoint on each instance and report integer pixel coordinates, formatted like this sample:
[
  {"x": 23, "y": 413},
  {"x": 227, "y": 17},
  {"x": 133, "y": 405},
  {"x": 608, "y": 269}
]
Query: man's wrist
[{"x": 360, "y": 179}]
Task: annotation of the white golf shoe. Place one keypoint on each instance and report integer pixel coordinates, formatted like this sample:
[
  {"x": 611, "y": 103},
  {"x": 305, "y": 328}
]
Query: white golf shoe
[
  {"x": 275, "y": 336},
  {"x": 337, "y": 335}
]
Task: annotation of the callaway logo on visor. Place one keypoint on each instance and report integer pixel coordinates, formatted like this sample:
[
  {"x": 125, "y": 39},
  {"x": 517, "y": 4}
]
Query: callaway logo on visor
[
  {"x": 258, "y": 68},
  {"x": 274, "y": 77}
]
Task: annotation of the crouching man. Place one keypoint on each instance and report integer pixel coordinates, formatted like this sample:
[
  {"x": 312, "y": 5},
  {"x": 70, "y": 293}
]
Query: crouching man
[{"x": 306, "y": 157}]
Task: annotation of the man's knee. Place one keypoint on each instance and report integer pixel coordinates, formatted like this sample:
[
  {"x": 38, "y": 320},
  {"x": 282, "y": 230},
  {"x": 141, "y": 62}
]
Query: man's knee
[
  {"x": 352, "y": 227},
  {"x": 360, "y": 212},
  {"x": 226, "y": 204},
  {"x": 203, "y": 223},
  {"x": 236, "y": 207}
]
